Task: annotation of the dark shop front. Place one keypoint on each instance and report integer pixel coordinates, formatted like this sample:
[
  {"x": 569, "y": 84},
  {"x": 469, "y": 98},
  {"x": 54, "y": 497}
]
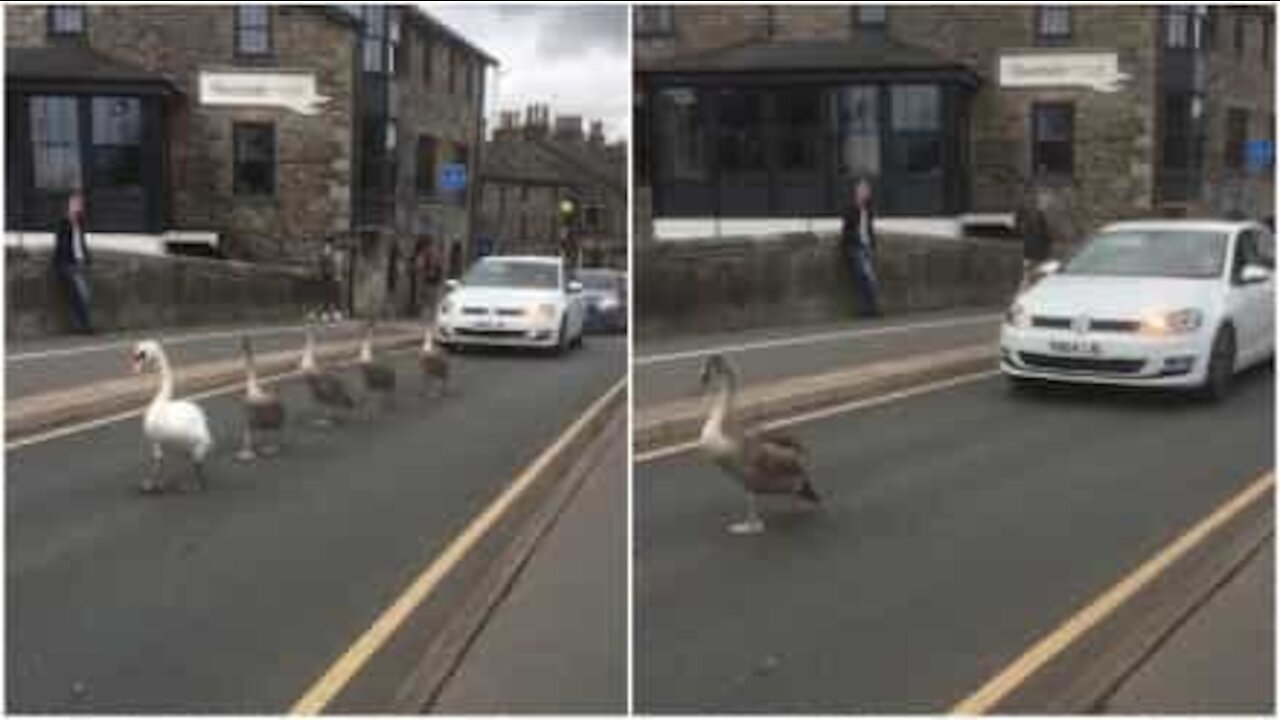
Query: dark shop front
[{"x": 786, "y": 129}]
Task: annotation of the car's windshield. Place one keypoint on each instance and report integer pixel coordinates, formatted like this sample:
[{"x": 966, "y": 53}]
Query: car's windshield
[
  {"x": 513, "y": 274},
  {"x": 1152, "y": 253},
  {"x": 597, "y": 280}
]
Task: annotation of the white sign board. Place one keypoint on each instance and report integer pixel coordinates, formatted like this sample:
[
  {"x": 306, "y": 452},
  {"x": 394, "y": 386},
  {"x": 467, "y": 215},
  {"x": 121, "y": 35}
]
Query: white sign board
[
  {"x": 1096, "y": 70},
  {"x": 294, "y": 91}
]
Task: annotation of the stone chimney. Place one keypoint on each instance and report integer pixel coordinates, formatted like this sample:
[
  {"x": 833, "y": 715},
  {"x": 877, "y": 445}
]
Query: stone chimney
[
  {"x": 508, "y": 125},
  {"x": 569, "y": 128},
  {"x": 596, "y": 138},
  {"x": 537, "y": 122}
]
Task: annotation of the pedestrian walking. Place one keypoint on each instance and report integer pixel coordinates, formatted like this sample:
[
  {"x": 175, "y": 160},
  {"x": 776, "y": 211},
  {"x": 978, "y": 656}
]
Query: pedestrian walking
[
  {"x": 1032, "y": 224},
  {"x": 858, "y": 241},
  {"x": 71, "y": 261}
]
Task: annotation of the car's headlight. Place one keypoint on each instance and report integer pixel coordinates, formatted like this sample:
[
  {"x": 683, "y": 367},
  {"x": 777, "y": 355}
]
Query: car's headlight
[
  {"x": 1016, "y": 316},
  {"x": 607, "y": 303},
  {"x": 1178, "y": 322},
  {"x": 544, "y": 311}
]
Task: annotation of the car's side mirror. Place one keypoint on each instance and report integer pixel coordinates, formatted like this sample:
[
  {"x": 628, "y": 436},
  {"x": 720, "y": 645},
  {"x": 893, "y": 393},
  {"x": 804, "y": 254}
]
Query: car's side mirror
[
  {"x": 452, "y": 285},
  {"x": 1251, "y": 274},
  {"x": 1049, "y": 267},
  {"x": 574, "y": 287}
]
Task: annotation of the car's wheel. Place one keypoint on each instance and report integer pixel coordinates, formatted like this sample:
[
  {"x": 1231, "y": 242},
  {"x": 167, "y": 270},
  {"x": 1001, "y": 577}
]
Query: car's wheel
[
  {"x": 1221, "y": 370},
  {"x": 563, "y": 342}
]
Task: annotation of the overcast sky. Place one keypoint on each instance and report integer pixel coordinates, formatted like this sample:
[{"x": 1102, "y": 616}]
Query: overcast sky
[{"x": 571, "y": 57}]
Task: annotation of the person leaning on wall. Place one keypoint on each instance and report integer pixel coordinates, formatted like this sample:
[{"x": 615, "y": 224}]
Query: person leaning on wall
[
  {"x": 1031, "y": 222},
  {"x": 71, "y": 261},
  {"x": 858, "y": 243}
]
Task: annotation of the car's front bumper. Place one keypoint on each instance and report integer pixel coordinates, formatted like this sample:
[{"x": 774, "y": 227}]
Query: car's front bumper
[
  {"x": 513, "y": 332},
  {"x": 602, "y": 319},
  {"x": 1110, "y": 358}
]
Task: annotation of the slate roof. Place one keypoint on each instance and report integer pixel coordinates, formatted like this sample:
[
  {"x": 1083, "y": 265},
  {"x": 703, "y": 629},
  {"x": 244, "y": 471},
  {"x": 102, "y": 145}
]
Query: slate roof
[{"x": 76, "y": 63}]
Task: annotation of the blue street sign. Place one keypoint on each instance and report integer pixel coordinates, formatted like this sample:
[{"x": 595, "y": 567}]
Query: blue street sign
[
  {"x": 1259, "y": 155},
  {"x": 453, "y": 176}
]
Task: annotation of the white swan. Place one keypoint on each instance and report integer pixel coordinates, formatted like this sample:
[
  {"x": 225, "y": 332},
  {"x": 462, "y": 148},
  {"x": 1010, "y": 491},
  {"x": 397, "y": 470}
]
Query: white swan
[
  {"x": 763, "y": 463},
  {"x": 176, "y": 424}
]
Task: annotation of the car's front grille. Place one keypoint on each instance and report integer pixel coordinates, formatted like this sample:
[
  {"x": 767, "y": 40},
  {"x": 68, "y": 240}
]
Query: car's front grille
[
  {"x": 1095, "y": 325},
  {"x": 510, "y": 312},
  {"x": 475, "y": 311},
  {"x": 1110, "y": 366},
  {"x": 490, "y": 332}
]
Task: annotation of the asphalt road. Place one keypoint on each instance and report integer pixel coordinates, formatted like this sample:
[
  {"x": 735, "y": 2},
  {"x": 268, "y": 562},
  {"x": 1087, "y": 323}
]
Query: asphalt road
[
  {"x": 558, "y": 642},
  {"x": 668, "y": 370},
  {"x": 67, "y": 362},
  {"x": 959, "y": 527},
  {"x": 236, "y": 600}
]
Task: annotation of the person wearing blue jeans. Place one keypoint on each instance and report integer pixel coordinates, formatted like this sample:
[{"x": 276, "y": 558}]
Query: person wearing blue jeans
[
  {"x": 71, "y": 260},
  {"x": 858, "y": 241}
]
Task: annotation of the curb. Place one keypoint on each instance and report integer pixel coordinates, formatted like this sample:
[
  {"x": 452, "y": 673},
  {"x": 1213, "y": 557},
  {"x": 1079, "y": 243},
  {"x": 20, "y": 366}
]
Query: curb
[
  {"x": 556, "y": 486},
  {"x": 44, "y": 411},
  {"x": 680, "y": 421}
]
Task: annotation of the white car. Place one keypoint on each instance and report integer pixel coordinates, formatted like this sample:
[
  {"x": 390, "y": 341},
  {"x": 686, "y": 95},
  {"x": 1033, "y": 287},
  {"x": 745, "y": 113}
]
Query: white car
[
  {"x": 1160, "y": 303},
  {"x": 526, "y": 301}
]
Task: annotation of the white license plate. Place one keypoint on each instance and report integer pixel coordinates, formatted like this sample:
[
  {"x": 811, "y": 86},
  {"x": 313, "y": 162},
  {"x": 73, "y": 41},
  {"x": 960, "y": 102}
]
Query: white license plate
[{"x": 1076, "y": 347}]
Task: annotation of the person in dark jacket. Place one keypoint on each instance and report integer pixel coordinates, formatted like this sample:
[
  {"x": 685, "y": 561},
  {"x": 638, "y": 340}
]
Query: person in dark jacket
[
  {"x": 71, "y": 261},
  {"x": 1033, "y": 225},
  {"x": 858, "y": 241}
]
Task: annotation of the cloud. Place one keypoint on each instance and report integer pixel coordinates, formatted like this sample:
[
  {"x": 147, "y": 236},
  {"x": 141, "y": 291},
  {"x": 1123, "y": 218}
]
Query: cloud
[{"x": 572, "y": 57}]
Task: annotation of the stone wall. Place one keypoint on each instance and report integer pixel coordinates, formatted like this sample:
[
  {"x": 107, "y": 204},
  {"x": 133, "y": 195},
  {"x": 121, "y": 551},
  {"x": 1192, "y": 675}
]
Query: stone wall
[
  {"x": 696, "y": 286},
  {"x": 134, "y": 291}
]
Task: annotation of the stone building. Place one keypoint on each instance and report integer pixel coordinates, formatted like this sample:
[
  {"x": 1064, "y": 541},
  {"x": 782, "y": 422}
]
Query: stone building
[
  {"x": 261, "y": 129},
  {"x": 761, "y": 117},
  {"x": 530, "y": 168}
]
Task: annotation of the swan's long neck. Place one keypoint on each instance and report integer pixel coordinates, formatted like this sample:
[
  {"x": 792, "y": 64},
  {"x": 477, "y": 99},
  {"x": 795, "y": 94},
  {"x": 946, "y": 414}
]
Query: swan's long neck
[
  {"x": 251, "y": 374},
  {"x": 366, "y": 347},
  {"x": 723, "y": 403},
  {"x": 309, "y": 352},
  {"x": 165, "y": 394}
]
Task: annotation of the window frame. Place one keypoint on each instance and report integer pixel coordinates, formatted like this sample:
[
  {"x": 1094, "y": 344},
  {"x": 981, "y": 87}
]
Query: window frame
[
  {"x": 1043, "y": 38},
  {"x": 52, "y": 30},
  {"x": 238, "y": 189},
  {"x": 1036, "y": 142},
  {"x": 646, "y": 29},
  {"x": 73, "y": 143},
  {"x": 239, "y": 27}
]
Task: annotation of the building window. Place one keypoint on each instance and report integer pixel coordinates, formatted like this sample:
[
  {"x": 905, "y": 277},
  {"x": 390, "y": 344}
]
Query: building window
[
  {"x": 254, "y": 171},
  {"x": 1053, "y": 24},
  {"x": 253, "y": 30},
  {"x": 682, "y": 134},
  {"x": 1237, "y": 133},
  {"x": 916, "y": 122},
  {"x": 66, "y": 20},
  {"x": 800, "y": 116},
  {"x": 654, "y": 21},
  {"x": 117, "y": 142},
  {"x": 374, "y": 39},
  {"x": 858, "y": 131},
  {"x": 55, "y": 142},
  {"x": 1238, "y": 33},
  {"x": 869, "y": 17},
  {"x": 741, "y": 145},
  {"x": 427, "y": 148},
  {"x": 1052, "y": 139},
  {"x": 1184, "y": 26}
]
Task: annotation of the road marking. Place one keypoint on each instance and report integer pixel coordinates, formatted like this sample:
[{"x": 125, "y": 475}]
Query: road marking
[
  {"x": 235, "y": 386},
  {"x": 1008, "y": 679},
  {"x": 812, "y": 339},
  {"x": 169, "y": 341},
  {"x": 819, "y": 414},
  {"x": 332, "y": 682}
]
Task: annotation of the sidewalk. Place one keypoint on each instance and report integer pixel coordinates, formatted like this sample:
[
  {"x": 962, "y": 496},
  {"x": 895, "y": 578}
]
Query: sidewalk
[
  {"x": 1221, "y": 660},
  {"x": 558, "y": 642}
]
